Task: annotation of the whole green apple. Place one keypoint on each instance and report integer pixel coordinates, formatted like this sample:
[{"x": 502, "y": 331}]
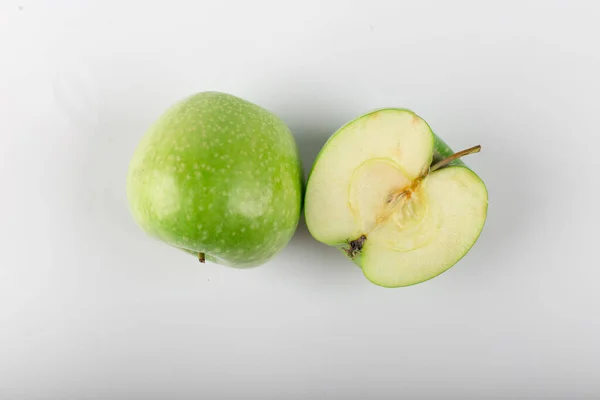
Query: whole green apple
[
  {"x": 394, "y": 198},
  {"x": 218, "y": 177}
]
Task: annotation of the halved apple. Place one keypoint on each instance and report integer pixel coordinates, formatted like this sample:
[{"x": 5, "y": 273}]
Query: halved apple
[{"x": 395, "y": 198}]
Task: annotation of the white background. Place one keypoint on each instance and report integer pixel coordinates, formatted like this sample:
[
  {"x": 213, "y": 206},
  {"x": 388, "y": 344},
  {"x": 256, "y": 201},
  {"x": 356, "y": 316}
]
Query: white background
[{"x": 90, "y": 308}]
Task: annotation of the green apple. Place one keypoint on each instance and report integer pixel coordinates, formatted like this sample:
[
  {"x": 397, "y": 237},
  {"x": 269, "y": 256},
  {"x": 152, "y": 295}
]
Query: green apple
[
  {"x": 394, "y": 198},
  {"x": 218, "y": 177}
]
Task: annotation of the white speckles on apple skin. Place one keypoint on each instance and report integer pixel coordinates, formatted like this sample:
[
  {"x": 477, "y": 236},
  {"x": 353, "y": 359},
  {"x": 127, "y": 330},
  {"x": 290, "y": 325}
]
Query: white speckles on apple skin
[{"x": 236, "y": 169}]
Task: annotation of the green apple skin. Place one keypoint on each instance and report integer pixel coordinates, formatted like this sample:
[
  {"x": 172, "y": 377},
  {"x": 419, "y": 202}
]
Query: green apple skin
[
  {"x": 441, "y": 150},
  {"x": 218, "y": 175}
]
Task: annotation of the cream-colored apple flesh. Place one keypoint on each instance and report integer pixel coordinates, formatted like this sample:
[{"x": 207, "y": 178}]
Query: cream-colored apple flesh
[{"x": 373, "y": 193}]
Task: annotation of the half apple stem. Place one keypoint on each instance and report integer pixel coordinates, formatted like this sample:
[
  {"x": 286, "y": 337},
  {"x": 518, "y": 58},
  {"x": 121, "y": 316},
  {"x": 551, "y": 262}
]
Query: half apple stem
[
  {"x": 201, "y": 258},
  {"x": 455, "y": 156}
]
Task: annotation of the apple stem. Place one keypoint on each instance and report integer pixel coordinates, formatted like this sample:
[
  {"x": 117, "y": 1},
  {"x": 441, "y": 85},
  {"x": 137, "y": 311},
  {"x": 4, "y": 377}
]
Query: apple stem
[
  {"x": 455, "y": 156},
  {"x": 201, "y": 258}
]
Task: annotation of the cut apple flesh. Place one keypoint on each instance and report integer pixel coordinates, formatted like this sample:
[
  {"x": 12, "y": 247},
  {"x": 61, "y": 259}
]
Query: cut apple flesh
[{"x": 372, "y": 193}]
